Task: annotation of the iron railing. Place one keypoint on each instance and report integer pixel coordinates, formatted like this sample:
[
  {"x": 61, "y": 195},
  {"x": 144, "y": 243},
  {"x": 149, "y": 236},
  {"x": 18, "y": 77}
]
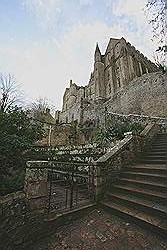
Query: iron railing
[{"x": 71, "y": 185}]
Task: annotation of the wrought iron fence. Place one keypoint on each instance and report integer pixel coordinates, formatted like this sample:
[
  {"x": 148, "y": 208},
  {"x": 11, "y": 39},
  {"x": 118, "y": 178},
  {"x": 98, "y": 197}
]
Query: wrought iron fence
[{"x": 71, "y": 185}]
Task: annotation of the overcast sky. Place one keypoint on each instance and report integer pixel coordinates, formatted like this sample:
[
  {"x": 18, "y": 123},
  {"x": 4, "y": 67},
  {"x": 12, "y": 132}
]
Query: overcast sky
[{"x": 45, "y": 43}]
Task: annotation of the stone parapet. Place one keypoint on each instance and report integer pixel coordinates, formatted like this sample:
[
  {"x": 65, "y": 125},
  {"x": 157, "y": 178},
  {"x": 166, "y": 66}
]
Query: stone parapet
[
  {"x": 36, "y": 185},
  {"x": 143, "y": 119},
  {"x": 13, "y": 210}
]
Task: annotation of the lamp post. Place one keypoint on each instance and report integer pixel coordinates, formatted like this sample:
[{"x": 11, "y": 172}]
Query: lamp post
[
  {"x": 50, "y": 161},
  {"x": 49, "y": 135}
]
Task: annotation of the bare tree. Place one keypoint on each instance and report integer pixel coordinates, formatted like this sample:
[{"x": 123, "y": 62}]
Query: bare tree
[
  {"x": 156, "y": 15},
  {"x": 10, "y": 94},
  {"x": 39, "y": 107}
]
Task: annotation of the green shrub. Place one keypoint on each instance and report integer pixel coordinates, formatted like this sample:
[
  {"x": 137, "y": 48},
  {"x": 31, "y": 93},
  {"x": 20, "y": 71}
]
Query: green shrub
[
  {"x": 105, "y": 135},
  {"x": 17, "y": 133}
]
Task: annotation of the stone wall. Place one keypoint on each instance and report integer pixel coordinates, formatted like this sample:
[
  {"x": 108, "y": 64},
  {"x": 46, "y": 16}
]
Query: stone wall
[
  {"x": 143, "y": 119},
  {"x": 93, "y": 110},
  {"x": 146, "y": 95},
  {"x": 13, "y": 209},
  {"x": 59, "y": 136},
  {"x": 95, "y": 113},
  {"x": 71, "y": 113},
  {"x": 36, "y": 186},
  {"x": 20, "y": 226},
  {"x": 63, "y": 135},
  {"x": 22, "y": 214},
  {"x": 142, "y": 101}
]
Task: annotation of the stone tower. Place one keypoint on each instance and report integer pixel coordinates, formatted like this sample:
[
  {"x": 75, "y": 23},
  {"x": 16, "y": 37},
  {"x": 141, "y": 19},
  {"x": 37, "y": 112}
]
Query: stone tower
[{"x": 99, "y": 74}]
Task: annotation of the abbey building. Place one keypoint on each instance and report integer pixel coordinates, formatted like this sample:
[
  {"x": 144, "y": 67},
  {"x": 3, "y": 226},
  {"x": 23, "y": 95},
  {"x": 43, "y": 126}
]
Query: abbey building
[{"x": 112, "y": 73}]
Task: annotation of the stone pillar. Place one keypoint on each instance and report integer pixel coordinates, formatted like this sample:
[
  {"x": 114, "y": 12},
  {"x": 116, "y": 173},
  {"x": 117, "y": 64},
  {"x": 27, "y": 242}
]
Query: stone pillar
[
  {"x": 98, "y": 182},
  {"x": 36, "y": 184}
]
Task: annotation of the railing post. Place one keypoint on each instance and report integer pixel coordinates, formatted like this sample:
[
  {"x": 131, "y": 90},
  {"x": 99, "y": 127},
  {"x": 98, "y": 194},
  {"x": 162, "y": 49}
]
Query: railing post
[
  {"x": 50, "y": 188},
  {"x": 72, "y": 187},
  {"x": 98, "y": 182}
]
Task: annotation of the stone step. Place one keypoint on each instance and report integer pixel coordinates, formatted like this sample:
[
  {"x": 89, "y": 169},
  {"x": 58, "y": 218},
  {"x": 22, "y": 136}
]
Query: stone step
[
  {"x": 161, "y": 187},
  {"x": 157, "y": 147},
  {"x": 160, "y": 136},
  {"x": 160, "y": 148},
  {"x": 153, "y": 161},
  {"x": 159, "y": 144},
  {"x": 149, "y": 206},
  {"x": 143, "y": 192},
  {"x": 157, "y": 178},
  {"x": 149, "y": 220},
  {"x": 160, "y": 141},
  {"x": 148, "y": 169},
  {"x": 157, "y": 154},
  {"x": 155, "y": 150},
  {"x": 160, "y": 166},
  {"x": 155, "y": 158}
]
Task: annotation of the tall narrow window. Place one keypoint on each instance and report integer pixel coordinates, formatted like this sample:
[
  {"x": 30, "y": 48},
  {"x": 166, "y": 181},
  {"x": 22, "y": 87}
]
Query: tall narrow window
[
  {"x": 109, "y": 88},
  {"x": 143, "y": 68},
  {"x": 66, "y": 119},
  {"x": 118, "y": 82}
]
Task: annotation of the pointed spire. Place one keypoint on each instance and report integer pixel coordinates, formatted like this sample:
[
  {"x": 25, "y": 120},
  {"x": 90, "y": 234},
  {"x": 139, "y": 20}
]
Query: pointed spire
[
  {"x": 97, "y": 54},
  {"x": 97, "y": 48}
]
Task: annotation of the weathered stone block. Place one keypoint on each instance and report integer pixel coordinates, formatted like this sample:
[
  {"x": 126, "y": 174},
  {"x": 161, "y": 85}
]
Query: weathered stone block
[
  {"x": 38, "y": 203},
  {"x": 36, "y": 189},
  {"x": 37, "y": 171}
]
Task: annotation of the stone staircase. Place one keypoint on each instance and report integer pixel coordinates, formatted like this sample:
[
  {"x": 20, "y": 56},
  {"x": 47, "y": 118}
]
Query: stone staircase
[
  {"x": 140, "y": 194},
  {"x": 158, "y": 151}
]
